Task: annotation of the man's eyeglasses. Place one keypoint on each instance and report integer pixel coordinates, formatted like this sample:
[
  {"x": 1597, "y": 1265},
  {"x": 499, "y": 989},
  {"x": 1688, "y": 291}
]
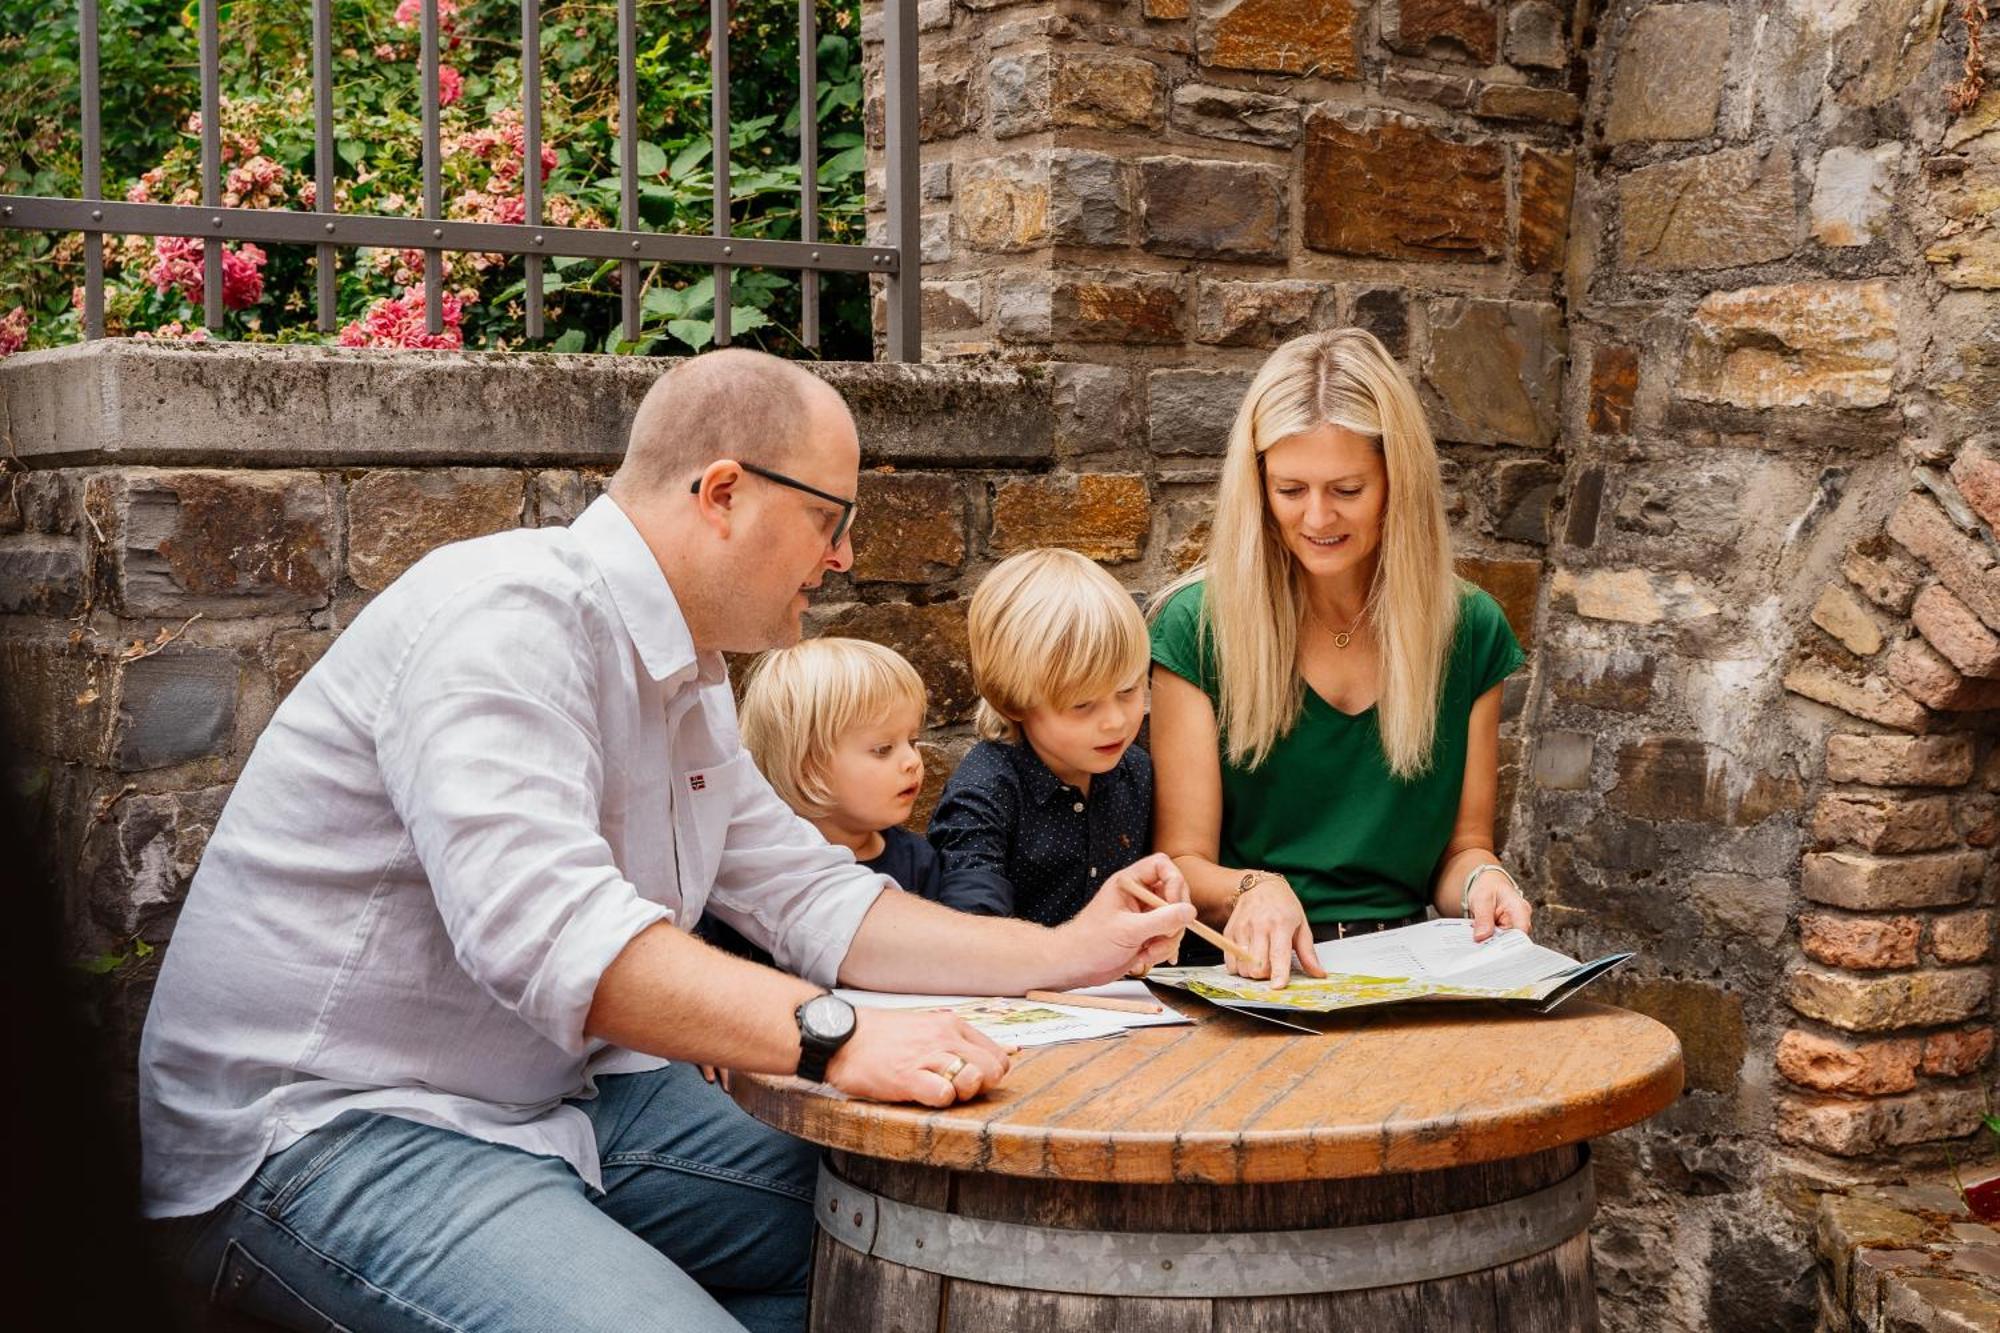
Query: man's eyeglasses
[{"x": 846, "y": 506}]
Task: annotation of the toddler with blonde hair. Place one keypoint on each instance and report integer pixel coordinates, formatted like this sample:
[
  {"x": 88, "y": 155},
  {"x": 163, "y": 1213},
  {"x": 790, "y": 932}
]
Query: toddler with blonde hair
[
  {"x": 1054, "y": 798},
  {"x": 833, "y": 725}
]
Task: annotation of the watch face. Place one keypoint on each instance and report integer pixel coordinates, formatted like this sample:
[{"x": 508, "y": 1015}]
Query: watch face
[{"x": 828, "y": 1018}]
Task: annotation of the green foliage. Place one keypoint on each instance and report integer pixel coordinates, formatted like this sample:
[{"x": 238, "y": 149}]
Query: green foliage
[{"x": 152, "y": 150}]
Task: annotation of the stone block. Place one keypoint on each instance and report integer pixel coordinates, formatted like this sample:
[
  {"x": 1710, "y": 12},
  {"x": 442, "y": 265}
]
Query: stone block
[
  {"x": 1535, "y": 37},
  {"x": 1103, "y": 91},
  {"x": 1708, "y": 1019},
  {"x": 1260, "y": 314},
  {"x": 1542, "y": 233},
  {"x": 1216, "y": 111},
  {"x": 1976, "y": 473},
  {"x": 1191, "y": 411},
  {"x": 222, "y": 543},
  {"x": 1212, "y": 210},
  {"x": 1881, "y": 49},
  {"x": 910, "y": 528},
  {"x": 1967, "y": 260},
  {"x": 1618, "y": 682},
  {"x": 1841, "y": 614},
  {"x": 1668, "y": 80},
  {"x": 395, "y": 516},
  {"x": 1515, "y": 584},
  {"x": 1562, "y": 760},
  {"x": 1939, "y": 1304},
  {"x": 1167, "y": 9},
  {"x": 1720, "y": 211},
  {"x": 946, "y": 107},
  {"x": 1962, "y": 937},
  {"x": 1933, "y": 682},
  {"x": 1965, "y": 564},
  {"x": 934, "y": 182},
  {"x": 1614, "y": 387},
  {"x": 952, "y": 306},
  {"x": 1884, "y": 823},
  {"x": 1806, "y": 344},
  {"x": 1928, "y": 998},
  {"x": 1680, "y": 778},
  {"x": 934, "y": 238},
  {"x": 1880, "y": 883},
  {"x": 1017, "y": 94},
  {"x": 932, "y": 636},
  {"x": 1956, "y": 1054},
  {"x": 292, "y": 653},
  {"x": 1002, "y": 203},
  {"x": 1524, "y": 491},
  {"x": 1103, "y": 515},
  {"x": 1899, "y": 761},
  {"x": 1630, "y": 596},
  {"x": 1450, "y": 29},
  {"x": 1853, "y": 192},
  {"x": 1519, "y": 101},
  {"x": 174, "y": 706},
  {"x": 561, "y": 494},
  {"x": 1883, "y": 574},
  {"x": 1950, "y": 627},
  {"x": 1089, "y": 199},
  {"x": 1449, "y": 92},
  {"x": 1312, "y": 37},
  {"x": 1095, "y": 409},
  {"x": 1744, "y": 905},
  {"x": 1024, "y": 306},
  {"x": 42, "y": 576},
  {"x": 1495, "y": 371},
  {"x": 1385, "y": 312},
  {"x": 137, "y": 860},
  {"x": 1868, "y": 697},
  {"x": 1849, "y": 1128},
  {"x": 1860, "y": 1069},
  {"x": 1388, "y": 188},
  {"x": 1862, "y": 943},
  {"x": 1117, "y": 307},
  {"x": 933, "y": 15}
]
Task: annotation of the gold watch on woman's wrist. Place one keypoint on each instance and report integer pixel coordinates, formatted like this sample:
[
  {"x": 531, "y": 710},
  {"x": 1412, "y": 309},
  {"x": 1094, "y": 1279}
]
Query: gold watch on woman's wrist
[{"x": 1247, "y": 883}]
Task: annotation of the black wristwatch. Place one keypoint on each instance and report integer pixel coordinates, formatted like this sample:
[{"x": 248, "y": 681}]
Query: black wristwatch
[{"x": 825, "y": 1024}]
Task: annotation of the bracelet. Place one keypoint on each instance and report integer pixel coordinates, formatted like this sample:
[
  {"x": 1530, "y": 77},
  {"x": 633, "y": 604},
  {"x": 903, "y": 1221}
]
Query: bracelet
[
  {"x": 1465, "y": 894},
  {"x": 1247, "y": 883}
]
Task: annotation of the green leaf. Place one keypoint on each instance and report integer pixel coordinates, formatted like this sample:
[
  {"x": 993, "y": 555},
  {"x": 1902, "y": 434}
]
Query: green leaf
[
  {"x": 141, "y": 949},
  {"x": 351, "y": 151},
  {"x": 843, "y": 164},
  {"x": 696, "y": 333},
  {"x": 663, "y": 303},
  {"x": 1992, "y": 1122},
  {"x": 652, "y": 159},
  {"x": 572, "y": 340},
  {"x": 103, "y": 963},
  {"x": 690, "y": 157},
  {"x": 743, "y": 318}
]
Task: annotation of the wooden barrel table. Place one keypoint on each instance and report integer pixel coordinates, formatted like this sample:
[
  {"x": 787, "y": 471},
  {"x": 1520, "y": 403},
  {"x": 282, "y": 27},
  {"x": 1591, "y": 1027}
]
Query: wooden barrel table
[{"x": 1424, "y": 1167}]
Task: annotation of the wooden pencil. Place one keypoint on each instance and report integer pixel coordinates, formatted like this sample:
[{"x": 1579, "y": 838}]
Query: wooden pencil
[
  {"x": 1095, "y": 1002},
  {"x": 1209, "y": 933}
]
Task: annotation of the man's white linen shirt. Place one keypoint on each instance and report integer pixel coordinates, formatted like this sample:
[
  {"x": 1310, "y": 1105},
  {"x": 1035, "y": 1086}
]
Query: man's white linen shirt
[{"x": 511, "y": 763}]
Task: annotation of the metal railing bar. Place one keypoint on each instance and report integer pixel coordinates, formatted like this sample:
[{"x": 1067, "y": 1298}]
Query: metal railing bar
[
  {"x": 211, "y": 161},
  {"x": 427, "y": 67},
  {"x": 808, "y": 167},
  {"x": 718, "y": 129},
  {"x": 323, "y": 295},
  {"x": 531, "y": 150},
  {"x": 282, "y": 226},
  {"x": 93, "y": 170},
  {"x": 905, "y": 303},
  {"x": 628, "y": 159}
]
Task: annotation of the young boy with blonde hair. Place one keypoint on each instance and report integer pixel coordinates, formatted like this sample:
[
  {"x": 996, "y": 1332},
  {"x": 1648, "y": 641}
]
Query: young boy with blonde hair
[
  {"x": 833, "y": 725},
  {"x": 1054, "y": 798}
]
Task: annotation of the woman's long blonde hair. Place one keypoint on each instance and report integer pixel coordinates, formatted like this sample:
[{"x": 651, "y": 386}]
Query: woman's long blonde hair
[{"x": 1254, "y": 602}]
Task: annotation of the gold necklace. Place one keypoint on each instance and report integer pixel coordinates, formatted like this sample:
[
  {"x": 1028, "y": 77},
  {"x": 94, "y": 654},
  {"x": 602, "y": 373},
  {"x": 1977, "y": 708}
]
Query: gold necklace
[{"x": 1341, "y": 638}]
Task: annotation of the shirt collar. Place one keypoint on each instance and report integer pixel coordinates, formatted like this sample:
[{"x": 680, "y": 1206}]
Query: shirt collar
[
  {"x": 1043, "y": 786},
  {"x": 642, "y": 594}
]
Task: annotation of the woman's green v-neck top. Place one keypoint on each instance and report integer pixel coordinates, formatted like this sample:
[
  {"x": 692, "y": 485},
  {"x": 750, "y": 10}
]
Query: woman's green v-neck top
[{"x": 1323, "y": 809}]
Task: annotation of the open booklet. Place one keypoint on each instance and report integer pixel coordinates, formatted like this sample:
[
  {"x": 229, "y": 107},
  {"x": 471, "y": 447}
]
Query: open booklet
[
  {"x": 1016, "y": 1022},
  {"x": 1432, "y": 960}
]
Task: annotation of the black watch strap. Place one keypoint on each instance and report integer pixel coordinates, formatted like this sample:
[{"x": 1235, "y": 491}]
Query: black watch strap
[{"x": 816, "y": 1049}]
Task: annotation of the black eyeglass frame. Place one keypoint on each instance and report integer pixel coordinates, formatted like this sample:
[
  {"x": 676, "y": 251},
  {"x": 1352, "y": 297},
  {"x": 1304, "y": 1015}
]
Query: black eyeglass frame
[{"x": 846, "y": 506}]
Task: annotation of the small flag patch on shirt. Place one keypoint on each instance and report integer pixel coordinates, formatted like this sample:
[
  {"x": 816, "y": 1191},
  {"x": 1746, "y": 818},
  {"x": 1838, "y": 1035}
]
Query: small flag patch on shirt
[{"x": 696, "y": 781}]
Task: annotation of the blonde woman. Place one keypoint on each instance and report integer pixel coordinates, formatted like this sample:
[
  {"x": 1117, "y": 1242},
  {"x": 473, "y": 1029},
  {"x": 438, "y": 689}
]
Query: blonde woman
[{"x": 1326, "y": 692}]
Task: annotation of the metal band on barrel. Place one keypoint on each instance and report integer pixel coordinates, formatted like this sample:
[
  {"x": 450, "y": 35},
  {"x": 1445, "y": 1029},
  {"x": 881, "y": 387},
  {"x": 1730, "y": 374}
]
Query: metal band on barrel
[{"x": 1212, "y": 1265}]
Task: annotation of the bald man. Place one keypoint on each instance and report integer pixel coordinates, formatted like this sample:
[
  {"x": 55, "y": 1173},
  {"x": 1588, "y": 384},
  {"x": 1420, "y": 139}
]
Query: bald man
[{"x": 407, "y": 1063}]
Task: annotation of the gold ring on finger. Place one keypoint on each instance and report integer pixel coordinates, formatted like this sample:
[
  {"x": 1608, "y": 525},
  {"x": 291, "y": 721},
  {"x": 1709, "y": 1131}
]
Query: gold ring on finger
[{"x": 957, "y": 1068}]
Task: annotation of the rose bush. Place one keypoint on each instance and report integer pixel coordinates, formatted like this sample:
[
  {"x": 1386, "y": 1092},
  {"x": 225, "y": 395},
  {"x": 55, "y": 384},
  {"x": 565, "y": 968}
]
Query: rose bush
[{"x": 152, "y": 152}]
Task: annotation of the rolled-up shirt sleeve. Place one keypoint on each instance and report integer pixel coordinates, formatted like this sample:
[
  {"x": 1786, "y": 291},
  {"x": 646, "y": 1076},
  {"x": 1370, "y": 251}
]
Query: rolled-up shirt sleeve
[
  {"x": 491, "y": 757},
  {"x": 785, "y": 888}
]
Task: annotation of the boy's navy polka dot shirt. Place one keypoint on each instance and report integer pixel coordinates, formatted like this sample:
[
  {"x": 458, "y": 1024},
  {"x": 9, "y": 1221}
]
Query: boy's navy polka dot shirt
[{"x": 1036, "y": 839}]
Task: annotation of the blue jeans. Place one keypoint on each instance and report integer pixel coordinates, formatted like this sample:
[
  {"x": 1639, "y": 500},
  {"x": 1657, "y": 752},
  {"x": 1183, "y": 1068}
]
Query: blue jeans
[{"x": 378, "y": 1223}]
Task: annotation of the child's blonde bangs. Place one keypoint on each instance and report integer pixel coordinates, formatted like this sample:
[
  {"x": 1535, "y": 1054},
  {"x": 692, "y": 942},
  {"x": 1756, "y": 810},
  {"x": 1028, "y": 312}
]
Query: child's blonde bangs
[
  {"x": 1048, "y": 629},
  {"x": 799, "y": 701}
]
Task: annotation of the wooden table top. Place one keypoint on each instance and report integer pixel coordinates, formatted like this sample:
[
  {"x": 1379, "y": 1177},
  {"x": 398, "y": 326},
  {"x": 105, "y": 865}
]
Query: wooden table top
[{"x": 1231, "y": 1100}]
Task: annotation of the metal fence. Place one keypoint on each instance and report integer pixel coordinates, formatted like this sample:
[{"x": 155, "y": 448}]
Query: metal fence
[{"x": 433, "y": 233}]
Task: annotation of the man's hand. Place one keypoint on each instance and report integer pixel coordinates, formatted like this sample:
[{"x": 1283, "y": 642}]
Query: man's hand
[
  {"x": 916, "y": 1055},
  {"x": 1116, "y": 933}
]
